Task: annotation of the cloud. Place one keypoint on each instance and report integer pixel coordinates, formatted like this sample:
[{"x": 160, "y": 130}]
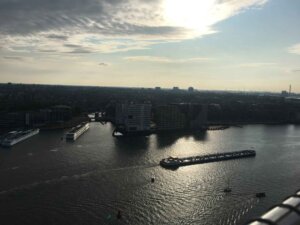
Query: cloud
[
  {"x": 295, "y": 70},
  {"x": 103, "y": 64},
  {"x": 157, "y": 59},
  {"x": 107, "y": 25},
  {"x": 256, "y": 64},
  {"x": 14, "y": 58},
  {"x": 77, "y": 44},
  {"x": 295, "y": 49},
  {"x": 57, "y": 36},
  {"x": 148, "y": 59}
]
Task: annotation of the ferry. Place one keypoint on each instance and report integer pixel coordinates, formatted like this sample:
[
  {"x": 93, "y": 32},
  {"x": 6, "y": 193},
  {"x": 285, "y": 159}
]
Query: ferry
[
  {"x": 77, "y": 131},
  {"x": 15, "y": 137}
]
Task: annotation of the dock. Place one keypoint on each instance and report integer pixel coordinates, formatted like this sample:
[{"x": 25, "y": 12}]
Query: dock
[{"x": 174, "y": 163}]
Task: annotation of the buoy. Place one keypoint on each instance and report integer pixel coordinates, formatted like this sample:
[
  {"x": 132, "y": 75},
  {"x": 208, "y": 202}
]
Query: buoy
[
  {"x": 152, "y": 180},
  {"x": 119, "y": 215}
]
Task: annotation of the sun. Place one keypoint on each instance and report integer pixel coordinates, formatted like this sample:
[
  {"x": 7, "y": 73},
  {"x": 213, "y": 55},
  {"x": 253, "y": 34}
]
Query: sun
[{"x": 193, "y": 14}]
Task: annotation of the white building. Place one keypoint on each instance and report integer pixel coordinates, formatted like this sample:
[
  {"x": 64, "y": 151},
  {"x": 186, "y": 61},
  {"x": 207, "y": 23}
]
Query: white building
[{"x": 133, "y": 116}]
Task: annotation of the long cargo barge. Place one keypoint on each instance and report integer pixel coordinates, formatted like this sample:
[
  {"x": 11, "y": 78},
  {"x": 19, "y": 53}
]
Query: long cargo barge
[
  {"x": 174, "y": 163},
  {"x": 77, "y": 131},
  {"x": 15, "y": 137}
]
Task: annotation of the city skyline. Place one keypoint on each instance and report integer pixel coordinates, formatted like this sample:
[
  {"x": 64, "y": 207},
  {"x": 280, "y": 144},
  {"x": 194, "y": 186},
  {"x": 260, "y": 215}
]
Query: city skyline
[{"x": 248, "y": 45}]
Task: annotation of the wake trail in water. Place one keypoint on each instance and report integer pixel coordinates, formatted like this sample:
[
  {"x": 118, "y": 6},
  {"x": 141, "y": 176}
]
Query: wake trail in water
[
  {"x": 133, "y": 167},
  {"x": 73, "y": 177}
]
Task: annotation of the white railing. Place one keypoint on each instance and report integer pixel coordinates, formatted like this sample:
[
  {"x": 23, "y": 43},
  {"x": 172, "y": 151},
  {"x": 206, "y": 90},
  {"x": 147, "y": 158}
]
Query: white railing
[{"x": 286, "y": 213}]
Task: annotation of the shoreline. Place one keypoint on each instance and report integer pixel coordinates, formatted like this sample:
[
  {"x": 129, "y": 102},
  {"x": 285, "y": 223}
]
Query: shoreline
[{"x": 208, "y": 127}]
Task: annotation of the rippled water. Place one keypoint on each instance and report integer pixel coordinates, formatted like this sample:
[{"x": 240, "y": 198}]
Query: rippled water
[{"x": 45, "y": 180}]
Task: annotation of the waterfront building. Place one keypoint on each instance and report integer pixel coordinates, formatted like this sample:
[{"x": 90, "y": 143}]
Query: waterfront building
[
  {"x": 197, "y": 115},
  {"x": 12, "y": 120},
  {"x": 180, "y": 116},
  {"x": 133, "y": 116},
  {"x": 297, "y": 117},
  {"x": 169, "y": 117},
  {"x": 55, "y": 114}
]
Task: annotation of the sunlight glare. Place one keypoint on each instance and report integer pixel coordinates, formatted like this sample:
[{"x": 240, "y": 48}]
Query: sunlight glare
[{"x": 193, "y": 14}]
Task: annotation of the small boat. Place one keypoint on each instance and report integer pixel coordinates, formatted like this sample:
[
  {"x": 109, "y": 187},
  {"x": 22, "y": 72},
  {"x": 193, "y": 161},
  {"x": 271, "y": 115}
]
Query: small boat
[
  {"x": 119, "y": 215},
  {"x": 227, "y": 189},
  {"x": 260, "y": 194}
]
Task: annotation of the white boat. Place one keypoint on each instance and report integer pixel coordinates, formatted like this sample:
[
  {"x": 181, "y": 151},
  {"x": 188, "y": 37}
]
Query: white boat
[
  {"x": 77, "y": 131},
  {"x": 15, "y": 137}
]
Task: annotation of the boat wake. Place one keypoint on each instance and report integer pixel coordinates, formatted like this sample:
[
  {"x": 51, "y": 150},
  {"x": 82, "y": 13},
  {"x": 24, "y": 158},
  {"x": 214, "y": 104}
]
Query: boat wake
[{"x": 71, "y": 177}]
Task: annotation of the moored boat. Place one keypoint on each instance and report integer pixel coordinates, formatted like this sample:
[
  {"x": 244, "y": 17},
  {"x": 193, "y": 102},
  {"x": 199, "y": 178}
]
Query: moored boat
[
  {"x": 77, "y": 131},
  {"x": 15, "y": 137}
]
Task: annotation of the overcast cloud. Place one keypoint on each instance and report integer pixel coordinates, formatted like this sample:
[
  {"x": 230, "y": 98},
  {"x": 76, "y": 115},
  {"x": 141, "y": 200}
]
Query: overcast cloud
[{"x": 86, "y": 26}]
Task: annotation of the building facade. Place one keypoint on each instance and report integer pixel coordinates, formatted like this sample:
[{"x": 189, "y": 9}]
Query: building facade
[
  {"x": 180, "y": 116},
  {"x": 133, "y": 116},
  {"x": 169, "y": 117},
  {"x": 55, "y": 114}
]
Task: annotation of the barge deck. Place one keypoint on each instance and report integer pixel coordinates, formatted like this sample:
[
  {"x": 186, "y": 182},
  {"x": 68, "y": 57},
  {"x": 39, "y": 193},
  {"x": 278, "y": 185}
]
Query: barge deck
[{"x": 174, "y": 163}]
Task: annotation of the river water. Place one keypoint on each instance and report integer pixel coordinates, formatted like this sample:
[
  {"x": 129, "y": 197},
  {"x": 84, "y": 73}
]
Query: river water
[{"x": 46, "y": 180}]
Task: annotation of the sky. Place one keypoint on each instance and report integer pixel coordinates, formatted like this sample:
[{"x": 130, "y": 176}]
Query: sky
[{"x": 245, "y": 45}]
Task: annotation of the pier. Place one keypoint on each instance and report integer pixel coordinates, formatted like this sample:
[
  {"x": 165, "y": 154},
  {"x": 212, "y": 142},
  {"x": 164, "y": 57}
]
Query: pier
[{"x": 174, "y": 163}]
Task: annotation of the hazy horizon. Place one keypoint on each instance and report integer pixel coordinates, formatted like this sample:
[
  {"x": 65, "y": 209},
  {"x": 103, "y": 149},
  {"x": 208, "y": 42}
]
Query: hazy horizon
[
  {"x": 249, "y": 45},
  {"x": 153, "y": 87}
]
